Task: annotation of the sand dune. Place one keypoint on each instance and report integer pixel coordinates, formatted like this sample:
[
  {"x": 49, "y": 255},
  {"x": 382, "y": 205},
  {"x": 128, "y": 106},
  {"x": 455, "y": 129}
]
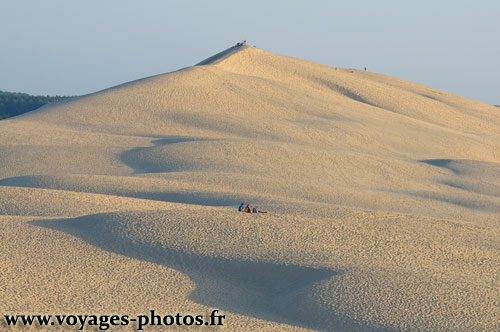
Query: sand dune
[{"x": 384, "y": 200}]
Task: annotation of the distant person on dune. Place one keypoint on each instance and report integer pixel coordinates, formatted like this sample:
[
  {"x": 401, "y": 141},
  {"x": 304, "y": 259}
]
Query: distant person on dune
[
  {"x": 254, "y": 210},
  {"x": 243, "y": 43},
  {"x": 249, "y": 209}
]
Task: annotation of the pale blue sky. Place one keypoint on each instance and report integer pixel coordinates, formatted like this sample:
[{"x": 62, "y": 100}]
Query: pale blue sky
[{"x": 69, "y": 47}]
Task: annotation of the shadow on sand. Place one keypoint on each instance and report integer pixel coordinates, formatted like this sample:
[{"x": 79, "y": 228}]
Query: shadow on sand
[
  {"x": 134, "y": 158},
  {"x": 443, "y": 163},
  {"x": 258, "y": 289}
]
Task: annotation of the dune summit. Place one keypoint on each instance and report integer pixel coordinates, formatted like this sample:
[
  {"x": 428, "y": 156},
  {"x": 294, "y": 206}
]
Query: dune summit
[{"x": 384, "y": 200}]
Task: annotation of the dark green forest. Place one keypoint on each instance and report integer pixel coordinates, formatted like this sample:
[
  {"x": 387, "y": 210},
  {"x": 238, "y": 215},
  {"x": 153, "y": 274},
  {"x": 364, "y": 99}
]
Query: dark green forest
[{"x": 13, "y": 103}]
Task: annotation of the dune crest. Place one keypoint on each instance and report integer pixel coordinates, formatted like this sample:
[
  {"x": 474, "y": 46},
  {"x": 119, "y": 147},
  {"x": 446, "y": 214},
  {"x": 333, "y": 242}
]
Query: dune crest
[{"x": 384, "y": 200}]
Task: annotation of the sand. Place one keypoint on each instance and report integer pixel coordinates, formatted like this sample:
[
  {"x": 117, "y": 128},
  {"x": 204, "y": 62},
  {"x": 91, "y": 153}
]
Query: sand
[{"x": 383, "y": 199}]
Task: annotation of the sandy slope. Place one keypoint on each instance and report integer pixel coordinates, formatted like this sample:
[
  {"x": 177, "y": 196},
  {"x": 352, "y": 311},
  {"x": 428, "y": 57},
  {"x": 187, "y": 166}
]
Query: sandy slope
[{"x": 384, "y": 198}]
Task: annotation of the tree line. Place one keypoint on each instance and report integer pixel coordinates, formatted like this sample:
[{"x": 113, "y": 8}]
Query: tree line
[{"x": 14, "y": 103}]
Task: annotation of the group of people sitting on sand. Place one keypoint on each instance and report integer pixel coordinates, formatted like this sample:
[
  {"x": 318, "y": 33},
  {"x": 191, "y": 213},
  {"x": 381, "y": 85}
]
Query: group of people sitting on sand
[
  {"x": 243, "y": 43},
  {"x": 249, "y": 209}
]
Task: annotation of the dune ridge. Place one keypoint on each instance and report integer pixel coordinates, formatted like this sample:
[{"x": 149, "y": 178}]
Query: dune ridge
[{"x": 384, "y": 200}]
